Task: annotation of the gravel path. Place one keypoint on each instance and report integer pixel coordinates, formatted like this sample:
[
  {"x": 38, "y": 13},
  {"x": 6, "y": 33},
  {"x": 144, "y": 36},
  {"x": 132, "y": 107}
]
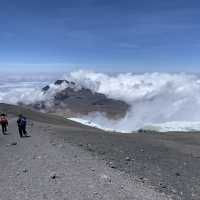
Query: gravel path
[{"x": 41, "y": 167}]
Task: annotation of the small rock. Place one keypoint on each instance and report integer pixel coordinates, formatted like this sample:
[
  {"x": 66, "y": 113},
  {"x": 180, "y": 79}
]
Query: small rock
[
  {"x": 128, "y": 158},
  {"x": 174, "y": 191},
  {"x": 18, "y": 173},
  {"x": 14, "y": 143},
  {"x": 53, "y": 175},
  {"x": 142, "y": 179},
  {"x": 162, "y": 186},
  {"x": 145, "y": 180},
  {"x": 25, "y": 170},
  {"x": 92, "y": 169},
  {"x": 178, "y": 174},
  {"x": 37, "y": 157},
  {"x": 112, "y": 165}
]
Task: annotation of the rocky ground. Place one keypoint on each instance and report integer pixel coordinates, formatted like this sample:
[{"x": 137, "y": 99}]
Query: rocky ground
[
  {"x": 66, "y": 160},
  {"x": 45, "y": 166},
  {"x": 168, "y": 161}
]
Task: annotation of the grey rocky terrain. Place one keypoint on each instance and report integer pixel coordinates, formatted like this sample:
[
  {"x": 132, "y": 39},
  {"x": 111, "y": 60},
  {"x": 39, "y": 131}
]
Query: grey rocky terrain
[
  {"x": 165, "y": 164},
  {"x": 47, "y": 166}
]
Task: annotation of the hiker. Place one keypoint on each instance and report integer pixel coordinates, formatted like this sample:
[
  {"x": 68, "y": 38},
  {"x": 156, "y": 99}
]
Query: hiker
[
  {"x": 21, "y": 122},
  {"x": 4, "y": 123}
]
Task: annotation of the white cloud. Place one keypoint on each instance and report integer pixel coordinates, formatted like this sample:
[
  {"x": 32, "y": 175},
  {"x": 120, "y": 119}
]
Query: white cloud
[{"x": 154, "y": 97}]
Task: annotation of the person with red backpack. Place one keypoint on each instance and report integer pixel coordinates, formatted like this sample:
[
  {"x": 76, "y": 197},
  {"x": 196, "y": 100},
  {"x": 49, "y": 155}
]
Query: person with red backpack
[{"x": 4, "y": 123}]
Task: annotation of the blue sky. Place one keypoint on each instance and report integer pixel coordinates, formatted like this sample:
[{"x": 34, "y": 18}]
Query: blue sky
[{"x": 104, "y": 35}]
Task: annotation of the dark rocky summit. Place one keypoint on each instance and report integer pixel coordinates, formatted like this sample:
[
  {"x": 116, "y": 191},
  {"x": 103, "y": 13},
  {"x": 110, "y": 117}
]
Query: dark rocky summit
[
  {"x": 45, "y": 88},
  {"x": 76, "y": 100}
]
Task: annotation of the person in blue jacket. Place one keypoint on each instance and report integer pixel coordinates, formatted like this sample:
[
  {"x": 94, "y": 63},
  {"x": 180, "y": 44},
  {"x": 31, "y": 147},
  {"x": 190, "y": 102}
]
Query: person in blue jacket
[{"x": 21, "y": 122}]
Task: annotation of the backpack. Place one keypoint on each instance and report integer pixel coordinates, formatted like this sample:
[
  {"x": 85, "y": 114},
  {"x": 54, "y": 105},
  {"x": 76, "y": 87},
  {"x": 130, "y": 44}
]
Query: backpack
[
  {"x": 23, "y": 121},
  {"x": 3, "y": 120}
]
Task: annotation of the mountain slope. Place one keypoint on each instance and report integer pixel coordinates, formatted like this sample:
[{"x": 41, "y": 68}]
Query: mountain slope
[
  {"x": 45, "y": 166},
  {"x": 13, "y": 110}
]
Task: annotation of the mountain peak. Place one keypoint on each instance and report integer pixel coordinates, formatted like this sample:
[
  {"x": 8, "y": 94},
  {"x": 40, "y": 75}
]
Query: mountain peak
[{"x": 79, "y": 100}]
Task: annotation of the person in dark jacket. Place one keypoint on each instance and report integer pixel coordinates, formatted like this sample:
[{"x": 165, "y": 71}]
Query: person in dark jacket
[
  {"x": 21, "y": 122},
  {"x": 4, "y": 123}
]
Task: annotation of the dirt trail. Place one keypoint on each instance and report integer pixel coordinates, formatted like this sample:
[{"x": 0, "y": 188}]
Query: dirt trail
[{"x": 37, "y": 168}]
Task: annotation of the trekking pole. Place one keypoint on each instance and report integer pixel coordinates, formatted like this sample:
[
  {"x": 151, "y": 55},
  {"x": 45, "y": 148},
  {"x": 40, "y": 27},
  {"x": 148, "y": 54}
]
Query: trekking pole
[{"x": 30, "y": 125}]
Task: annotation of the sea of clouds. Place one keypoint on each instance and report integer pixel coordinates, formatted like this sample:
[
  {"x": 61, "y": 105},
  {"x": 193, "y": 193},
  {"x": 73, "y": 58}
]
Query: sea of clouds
[
  {"x": 159, "y": 101},
  {"x": 26, "y": 88}
]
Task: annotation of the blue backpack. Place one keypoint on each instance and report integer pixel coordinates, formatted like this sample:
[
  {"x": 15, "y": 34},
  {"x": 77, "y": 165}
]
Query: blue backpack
[{"x": 23, "y": 121}]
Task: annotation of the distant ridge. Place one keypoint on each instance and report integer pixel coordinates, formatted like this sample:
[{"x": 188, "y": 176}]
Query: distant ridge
[{"x": 13, "y": 110}]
